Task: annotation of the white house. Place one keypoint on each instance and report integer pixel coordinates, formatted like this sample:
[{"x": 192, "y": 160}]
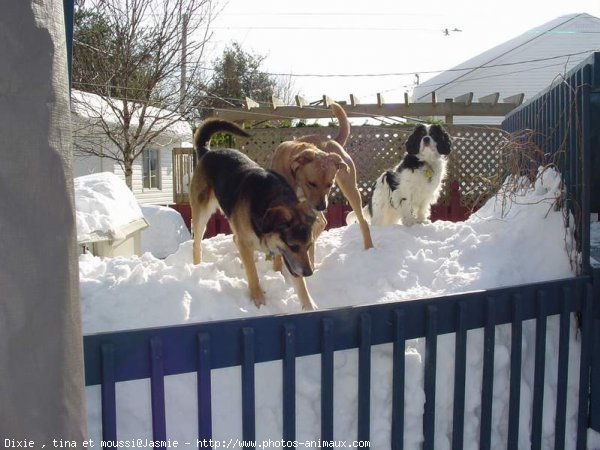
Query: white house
[
  {"x": 152, "y": 171},
  {"x": 527, "y": 64}
]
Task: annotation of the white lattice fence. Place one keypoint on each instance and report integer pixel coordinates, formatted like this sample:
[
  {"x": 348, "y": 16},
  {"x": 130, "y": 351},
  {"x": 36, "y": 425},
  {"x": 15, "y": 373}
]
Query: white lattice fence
[
  {"x": 475, "y": 155},
  {"x": 376, "y": 149}
]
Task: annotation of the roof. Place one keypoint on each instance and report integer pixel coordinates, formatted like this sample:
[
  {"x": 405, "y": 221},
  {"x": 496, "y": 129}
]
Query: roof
[
  {"x": 92, "y": 107},
  {"x": 526, "y": 64},
  {"x": 105, "y": 208}
]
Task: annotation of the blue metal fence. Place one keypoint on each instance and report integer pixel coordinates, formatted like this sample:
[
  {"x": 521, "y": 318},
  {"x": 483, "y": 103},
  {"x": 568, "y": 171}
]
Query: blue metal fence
[
  {"x": 561, "y": 119},
  {"x": 156, "y": 353}
]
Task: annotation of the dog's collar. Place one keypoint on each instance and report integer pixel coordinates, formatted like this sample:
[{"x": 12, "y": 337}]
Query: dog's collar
[{"x": 428, "y": 172}]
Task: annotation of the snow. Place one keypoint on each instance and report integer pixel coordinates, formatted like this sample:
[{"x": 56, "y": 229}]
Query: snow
[
  {"x": 498, "y": 246},
  {"x": 103, "y": 204},
  {"x": 166, "y": 231}
]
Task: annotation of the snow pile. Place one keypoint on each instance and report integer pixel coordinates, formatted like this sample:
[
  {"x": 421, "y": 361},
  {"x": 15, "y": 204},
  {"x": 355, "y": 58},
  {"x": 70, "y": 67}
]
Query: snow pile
[
  {"x": 166, "y": 230},
  {"x": 103, "y": 204},
  {"x": 493, "y": 248}
]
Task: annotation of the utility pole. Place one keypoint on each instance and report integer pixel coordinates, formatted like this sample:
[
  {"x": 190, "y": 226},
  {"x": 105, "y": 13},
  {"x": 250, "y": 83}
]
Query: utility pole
[{"x": 183, "y": 85}]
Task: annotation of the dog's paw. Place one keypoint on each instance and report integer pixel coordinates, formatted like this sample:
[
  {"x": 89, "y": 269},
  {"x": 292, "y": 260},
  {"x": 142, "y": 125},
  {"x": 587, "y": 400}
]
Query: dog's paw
[
  {"x": 310, "y": 306},
  {"x": 258, "y": 297},
  {"x": 408, "y": 222}
]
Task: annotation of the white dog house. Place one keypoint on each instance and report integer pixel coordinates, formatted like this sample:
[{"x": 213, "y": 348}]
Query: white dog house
[{"x": 109, "y": 219}]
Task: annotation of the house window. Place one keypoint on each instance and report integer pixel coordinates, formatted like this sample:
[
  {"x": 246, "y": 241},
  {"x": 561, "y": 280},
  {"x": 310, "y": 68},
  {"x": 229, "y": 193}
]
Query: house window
[{"x": 151, "y": 169}]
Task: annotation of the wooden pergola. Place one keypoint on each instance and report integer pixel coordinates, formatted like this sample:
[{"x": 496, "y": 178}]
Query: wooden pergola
[{"x": 462, "y": 105}]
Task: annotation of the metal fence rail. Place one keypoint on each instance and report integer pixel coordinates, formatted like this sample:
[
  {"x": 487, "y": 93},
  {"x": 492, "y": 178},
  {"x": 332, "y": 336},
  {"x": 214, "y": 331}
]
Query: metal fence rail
[{"x": 156, "y": 353}]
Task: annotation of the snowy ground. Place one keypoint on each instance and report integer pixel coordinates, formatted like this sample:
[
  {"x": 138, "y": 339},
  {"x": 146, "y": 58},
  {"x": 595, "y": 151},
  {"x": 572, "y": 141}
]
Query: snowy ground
[{"x": 491, "y": 249}]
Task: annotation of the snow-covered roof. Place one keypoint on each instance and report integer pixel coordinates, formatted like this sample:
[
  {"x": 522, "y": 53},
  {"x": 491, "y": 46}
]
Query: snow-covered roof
[
  {"x": 105, "y": 208},
  {"x": 526, "y": 64},
  {"x": 92, "y": 107}
]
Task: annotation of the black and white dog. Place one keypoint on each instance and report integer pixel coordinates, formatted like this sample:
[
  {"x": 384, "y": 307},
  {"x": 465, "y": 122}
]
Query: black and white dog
[{"x": 405, "y": 193}]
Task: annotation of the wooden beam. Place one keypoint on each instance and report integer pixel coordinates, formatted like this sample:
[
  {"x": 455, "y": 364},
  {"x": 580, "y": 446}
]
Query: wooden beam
[
  {"x": 492, "y": 99},
  {"x": 301, "y": 101},
  {"x": 380, "y": 100},
  {"x": 514, "y": 99},
  {"x": 467, "y": 99},
  {"x": 327, "y": 101},
  {"x": 433, "y": 102},
  {"x": 391, "y": 110},
  {"x": 275, "y": 102},
  {"x": 406, "y": 99},
  {"x": 251, "y": 103},
  {"x": 354, "y": 100}
]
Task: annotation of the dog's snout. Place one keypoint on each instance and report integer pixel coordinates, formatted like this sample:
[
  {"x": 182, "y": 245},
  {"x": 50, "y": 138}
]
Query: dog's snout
[
  {"x": 322, "y": 205},
  {"x": 307, "y": 271},
  {"x": 426, "y": 140}
]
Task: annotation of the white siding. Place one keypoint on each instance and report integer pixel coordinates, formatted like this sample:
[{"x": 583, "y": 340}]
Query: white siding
[
  {"x": 161, "y": 196},
  {"x": 86, "y": 164}
]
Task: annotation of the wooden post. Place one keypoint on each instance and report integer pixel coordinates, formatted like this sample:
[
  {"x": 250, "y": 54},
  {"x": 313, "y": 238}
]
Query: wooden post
[{"x": 449, "y": 117}]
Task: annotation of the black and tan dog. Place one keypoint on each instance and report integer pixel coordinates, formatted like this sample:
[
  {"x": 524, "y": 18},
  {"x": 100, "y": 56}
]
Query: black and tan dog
[{"x": 263, "y": 210}]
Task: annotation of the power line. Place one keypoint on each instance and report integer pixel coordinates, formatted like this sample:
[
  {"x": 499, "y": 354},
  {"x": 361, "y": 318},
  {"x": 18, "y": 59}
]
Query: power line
[
  {"x": 319, "y": 28},
  {"x": 412, "y": 72},
  {"x": 254, "y": 13}
]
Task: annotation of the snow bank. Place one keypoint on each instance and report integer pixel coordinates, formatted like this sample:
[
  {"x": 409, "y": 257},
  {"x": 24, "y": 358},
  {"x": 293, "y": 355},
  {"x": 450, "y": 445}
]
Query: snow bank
[
  {"x": 166, "y": 230},
  {"x": 493, "y": 248},
  {"x": 103, "y": 204}
]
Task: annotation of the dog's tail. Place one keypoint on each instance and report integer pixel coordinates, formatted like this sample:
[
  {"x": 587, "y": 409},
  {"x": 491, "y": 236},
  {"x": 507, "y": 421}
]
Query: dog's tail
[
  {"x": 342, "y": 118},
  {"x": 210, "y": 127}
]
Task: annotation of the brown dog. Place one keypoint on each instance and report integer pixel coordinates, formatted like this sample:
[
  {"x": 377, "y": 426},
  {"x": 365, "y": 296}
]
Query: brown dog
[
  {"x": 263, "y": 210},
  {"x": 312, "y": 163}
]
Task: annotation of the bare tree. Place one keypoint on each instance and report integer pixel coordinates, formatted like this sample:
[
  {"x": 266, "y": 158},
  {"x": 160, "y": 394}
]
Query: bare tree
[{"x": 128, "y": 55}]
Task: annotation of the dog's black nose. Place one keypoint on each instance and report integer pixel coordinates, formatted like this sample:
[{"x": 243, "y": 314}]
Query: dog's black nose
[
  {"x": 426, "y": 140},
  {"x": 322, "y": 206},
  {"x": 307, "y": 272}
]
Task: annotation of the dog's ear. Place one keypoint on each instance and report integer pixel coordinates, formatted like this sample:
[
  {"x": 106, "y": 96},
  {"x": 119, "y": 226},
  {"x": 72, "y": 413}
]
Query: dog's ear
[
  {"x": 276, "y": 217},
  {"x": 413, "y": 143},
  {"x": 446, "y": 145},
  {"x": 338, "y": 162},
  {"x": 302, "y": 158},
  {"x": 442, "y": 138},
  {"x": 308, "y": 211}
]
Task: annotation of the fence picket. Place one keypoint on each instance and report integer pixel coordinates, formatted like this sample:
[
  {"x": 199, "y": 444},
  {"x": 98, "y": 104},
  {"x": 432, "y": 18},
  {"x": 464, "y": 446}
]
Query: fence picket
[
  {"x": 429, "y": 378},
  {"x": 563, "y": 372},
  {"x": 327, "y": 343},
  {"x": 157, "y": 391},
  {"x": 248, "y": 393},
  {"x": 109, "y": 401},
  {"x": 204, "y": 388},
  {"x": 516, "y": 343},
  {"x": 538, "y": 376},
  {"x": 399, "y": 367},
  {"x": 364, "y": 379},
  {"x": 289, "y": 382},
  {"x": 584, "y": 371},
  {"x": 487, "y": 385},
  {"x": 460, "y": 362}
]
